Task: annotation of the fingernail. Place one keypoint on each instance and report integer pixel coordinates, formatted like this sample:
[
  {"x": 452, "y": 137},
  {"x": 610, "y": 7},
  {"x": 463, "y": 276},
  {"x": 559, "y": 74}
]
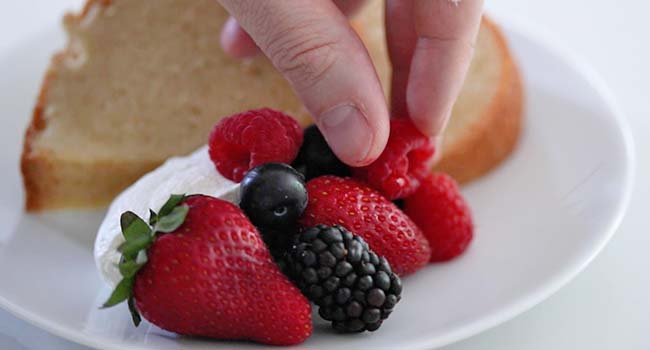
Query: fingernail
[
  {"x": 348, "y": 133},
  {"x": 229, "y": 34},
  {"x": 432, "y": 126},
  {"x": 236, "y": 42}
]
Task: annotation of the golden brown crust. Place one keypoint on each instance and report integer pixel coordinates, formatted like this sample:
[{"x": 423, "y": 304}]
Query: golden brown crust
[
  {"x": 37, "y": 170},
  {"x": 496, "y": 135},
  {"x": 29, "y": 165},
  {"x": 87, "y": 6}
]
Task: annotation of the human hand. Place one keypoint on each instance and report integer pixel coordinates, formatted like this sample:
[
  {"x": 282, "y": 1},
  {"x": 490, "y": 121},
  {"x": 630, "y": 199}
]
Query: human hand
[{"x": 430, "y": 44}]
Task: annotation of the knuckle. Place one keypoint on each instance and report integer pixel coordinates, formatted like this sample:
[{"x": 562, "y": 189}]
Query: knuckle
[
  {"x": 435, "y": 41},
  {"x": 303, "y": 58}
]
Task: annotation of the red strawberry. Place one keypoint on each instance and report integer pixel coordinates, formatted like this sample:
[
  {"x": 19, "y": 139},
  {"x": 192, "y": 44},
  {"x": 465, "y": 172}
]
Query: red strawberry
[
  {"x": 439, "y": 209},
  {"x": 365, "y": 212},
  {"x": 211, "y": 276},
  {"x": 245, "y": 140},
  {"x": 406, "y": 160}
]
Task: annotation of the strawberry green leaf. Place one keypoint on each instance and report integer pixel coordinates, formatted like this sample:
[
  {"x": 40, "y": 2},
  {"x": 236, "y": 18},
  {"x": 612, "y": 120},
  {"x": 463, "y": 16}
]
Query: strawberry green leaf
[
  {"x": 139, "y": 236},
  {"x": 129, "y": 268},
  {"x": 133, "y": 227},
  {"x": 130, "y": 248},
  {"x": 173, "y": 220},
  {"x": 126, "y": 219},
  {"x": 123, "y": 291},
  {"x": 135, "y": 315},
  {"x": 173, "y": 201},
  {"x": 153, "y": 217}
]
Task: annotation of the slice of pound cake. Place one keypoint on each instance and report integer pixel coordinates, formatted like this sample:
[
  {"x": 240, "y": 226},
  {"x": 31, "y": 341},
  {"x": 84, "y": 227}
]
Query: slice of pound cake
[{"x": 141, "y": 81}]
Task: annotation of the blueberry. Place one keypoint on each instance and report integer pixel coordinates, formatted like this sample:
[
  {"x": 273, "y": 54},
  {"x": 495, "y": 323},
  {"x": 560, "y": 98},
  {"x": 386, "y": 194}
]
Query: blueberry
[
  {"x": 273, "y": 195},
  {"x": 316, "y": 158}
]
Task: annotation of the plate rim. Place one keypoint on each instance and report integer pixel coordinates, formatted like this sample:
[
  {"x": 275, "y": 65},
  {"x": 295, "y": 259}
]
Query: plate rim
[
  {"x": 541, "y": 36},
  {"x": 510, "y": 25}
]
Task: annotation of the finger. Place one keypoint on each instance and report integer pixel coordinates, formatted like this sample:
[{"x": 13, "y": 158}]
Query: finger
[
  {"x": 446, "y": 32},
  {"x": 236, "y": 42},
  {"x": 349, "y": 7},
  {"x": 313, "y": 46},
  {"x": 401, "y": 38}
]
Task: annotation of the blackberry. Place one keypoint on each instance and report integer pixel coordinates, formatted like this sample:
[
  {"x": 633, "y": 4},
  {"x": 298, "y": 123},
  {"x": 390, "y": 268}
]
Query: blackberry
[
  {"x": 316, "y": 158},
  {"x": 353, "y": 287}
]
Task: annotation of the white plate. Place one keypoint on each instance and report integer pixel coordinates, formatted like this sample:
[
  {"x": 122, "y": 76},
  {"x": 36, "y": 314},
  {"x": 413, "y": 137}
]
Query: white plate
[{"x": 540, "y": 219}]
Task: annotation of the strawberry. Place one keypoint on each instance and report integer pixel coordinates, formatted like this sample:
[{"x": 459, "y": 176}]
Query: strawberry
[
  {"x": 439, "y": 209},
  {"x": 202, "y": 269},
  {"x": 366, "y": 213}
]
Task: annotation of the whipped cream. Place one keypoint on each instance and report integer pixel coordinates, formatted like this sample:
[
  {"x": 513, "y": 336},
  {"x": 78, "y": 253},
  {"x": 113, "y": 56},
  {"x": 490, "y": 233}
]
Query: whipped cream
[{"x": 193, "y": 174}]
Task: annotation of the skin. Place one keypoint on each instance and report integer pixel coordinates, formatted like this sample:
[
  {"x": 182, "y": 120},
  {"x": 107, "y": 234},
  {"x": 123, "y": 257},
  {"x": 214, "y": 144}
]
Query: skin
[{"x": 430, "y": 43}]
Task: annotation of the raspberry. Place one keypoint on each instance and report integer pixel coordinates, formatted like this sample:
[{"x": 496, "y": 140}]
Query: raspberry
[
  {"x": 439, "y": 209},
  {"x": 353, "y": 287},
  {"x": 406, "y": 160},
  {"x": 366, "y": 213},
  {"x": 243, "y": 141}
]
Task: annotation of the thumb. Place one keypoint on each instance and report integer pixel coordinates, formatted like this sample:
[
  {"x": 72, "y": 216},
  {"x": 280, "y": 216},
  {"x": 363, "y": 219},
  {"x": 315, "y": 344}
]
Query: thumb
[{"x": 312, "y": 44}]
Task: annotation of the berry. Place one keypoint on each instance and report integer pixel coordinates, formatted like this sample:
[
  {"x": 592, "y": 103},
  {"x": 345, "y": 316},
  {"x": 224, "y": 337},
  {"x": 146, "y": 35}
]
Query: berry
[
  {"x": 406, "y": 160},
  {"x": 243, "y": 141},
  {"x": 273, "y": 195},
  {"x": 439, "y": 209},
  {"x": 278, "y": 243},
  {"x": 356, "y": 291},
  {"x": 316, "y": 157},
  {"x": 210, "y": 275},
  {"x": 366, "y": 213}
]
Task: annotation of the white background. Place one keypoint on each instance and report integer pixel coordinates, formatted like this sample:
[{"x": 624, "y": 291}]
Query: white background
[{"x": 605, "y": 307}]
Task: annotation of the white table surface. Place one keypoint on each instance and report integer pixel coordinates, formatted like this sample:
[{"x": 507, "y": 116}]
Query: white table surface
[{"x": 605, "y": 307}]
